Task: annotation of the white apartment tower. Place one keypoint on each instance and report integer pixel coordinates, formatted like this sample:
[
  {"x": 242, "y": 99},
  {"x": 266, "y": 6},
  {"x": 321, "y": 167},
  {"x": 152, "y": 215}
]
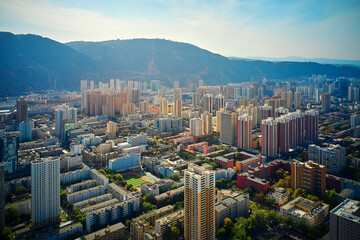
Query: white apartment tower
[{"x": 45, "y": 191}]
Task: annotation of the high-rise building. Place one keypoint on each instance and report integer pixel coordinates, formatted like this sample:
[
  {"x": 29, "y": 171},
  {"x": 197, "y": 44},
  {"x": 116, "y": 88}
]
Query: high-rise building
[
  {"x": 332, "y": 157},
  {"x": 63, "y": 113},
  {"x": 177, "y": 94},
  {"x": 206, "y": 117},
  {"x": 154, "y": 85},
  {"x": 128, "y": 108},
  {"x": 218, "y": 120},
  {"x": 281, "y": 111},
  {"x": 201, "y": 83},
  {"x": 9, "y": 152},
  {"x": 176, "y": 84},
  {"x": 354, "y": 93},
  {"x": 297, "y": 100},
  {"x": 92, "y": 85},
  {"x": 84, "y": 85},
  {"x": 100, "y": 104},
  {"x": 111, "y": 130},
  {"x": 288, "y": 96},
  {"x": 196, "y": 99},
  {"x": 45, "y": 192},
  {"x": 144, "y": 107},
  {"x": 2, "y": 195},
  {"x": 196, "y": 127},
  {"x": 22, "y": 108},
  {"x": 164, "y": 106},
  {"x": 244, "y": 131},
  {"x": 219, "y": 102},
  {"x": 135, "y": 98},
  {"x": 345, "y": 221},
  {"x": 208, "y": 103},
  {"x": 178, "y": 108},
  {"x": 325, "y": 102},
  {"x": 199, "y": 203},
  {"x": 25, "y": 131},
  {"x": 120, "y": 100},
  {"x": 309, "y": 176},
  {"x": 112, "y": 84},
  {"x": 311, "y": 125},
  {"x": 269, "y": 145},
  {"x": 228, "y": 131},
  {"x": 354, "y": 120}
]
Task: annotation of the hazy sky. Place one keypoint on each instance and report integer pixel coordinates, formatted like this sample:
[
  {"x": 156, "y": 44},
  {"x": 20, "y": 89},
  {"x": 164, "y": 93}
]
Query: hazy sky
[{"x": 268, "y": 28}]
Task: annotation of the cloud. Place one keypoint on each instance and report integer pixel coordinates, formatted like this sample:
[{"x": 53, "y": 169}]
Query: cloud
[{"x": 229, "y": 27}]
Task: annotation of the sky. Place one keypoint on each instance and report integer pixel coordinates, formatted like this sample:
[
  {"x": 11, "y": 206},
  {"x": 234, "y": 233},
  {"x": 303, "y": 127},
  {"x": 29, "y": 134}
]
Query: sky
[{"x": 236, "y": 28}]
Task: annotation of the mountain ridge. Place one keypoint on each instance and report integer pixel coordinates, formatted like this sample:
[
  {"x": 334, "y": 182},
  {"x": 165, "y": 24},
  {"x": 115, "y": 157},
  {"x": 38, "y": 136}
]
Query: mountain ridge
[{"x": 30, "y": 62}]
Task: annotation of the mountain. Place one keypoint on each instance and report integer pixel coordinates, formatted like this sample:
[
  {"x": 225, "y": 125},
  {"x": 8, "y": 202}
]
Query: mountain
[
  {"x": 337, "y": 62},
  {"x": 170, "y": 61},
  {"x": 31, "y": 62}
]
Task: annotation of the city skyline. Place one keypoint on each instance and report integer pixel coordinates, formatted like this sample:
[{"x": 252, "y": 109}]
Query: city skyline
[{"x": 307, "y": 29}]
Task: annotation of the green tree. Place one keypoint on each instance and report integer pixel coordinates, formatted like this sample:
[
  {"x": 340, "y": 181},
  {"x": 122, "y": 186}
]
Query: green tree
[
  {"x": 299, "y": 193},
  {"x": 175, "y": 177},
  {"x": 148, "y": 198},
  {"x": 174, "y": 186},
  {"x": 148, "y": 207},
  {"x": 221, "y": 234},
  {"x": 228, "y": 224},
  {"x": 174, "y": 233},
  {"x": 7, "y": 234},
  {"x": 12, "y": 215}
]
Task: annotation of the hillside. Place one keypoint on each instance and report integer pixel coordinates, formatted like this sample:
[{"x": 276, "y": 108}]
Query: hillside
[{"x": 31, "y": 62}]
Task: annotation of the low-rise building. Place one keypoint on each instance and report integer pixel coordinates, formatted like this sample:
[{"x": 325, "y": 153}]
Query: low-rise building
[
  {"x": 163, "y": 225},
  {"x": 93, "y": 200},
  {"x": 232, "y": 206},
  {"x": 85, "y": 194},
  {"x": 280, "y": 195},
  {"x": 169, "y": 195},
  {"x": 147, "y": 188},
  {"x": 128, "y": 162},
  {"x": 116, "y": 231},
  {"x": 313, "y": 213}
]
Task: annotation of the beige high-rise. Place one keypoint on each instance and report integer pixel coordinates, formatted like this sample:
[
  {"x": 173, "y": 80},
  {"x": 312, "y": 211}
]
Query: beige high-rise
[{"x": 199, "y": 203}]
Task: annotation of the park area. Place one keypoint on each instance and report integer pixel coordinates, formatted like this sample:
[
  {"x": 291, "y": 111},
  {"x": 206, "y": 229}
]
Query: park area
[{"x": 138, "y": 178}]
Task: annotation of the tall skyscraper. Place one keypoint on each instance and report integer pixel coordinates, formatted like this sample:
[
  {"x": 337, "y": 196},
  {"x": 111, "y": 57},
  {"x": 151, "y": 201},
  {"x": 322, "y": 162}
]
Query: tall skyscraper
[
  {"x": 325, "y": 102},
  {"x": 176, "y": 84},
  {"x": 228, "y": 131},
  {"x": 219, "y": 102},
  {"x": 196, "y": 127},
  {"x": 45, "y": 192},
  {"x": 135, "y": 97},
  {"x": 120, "y": 100},
  {"x": 25, "y": 131},
  {"x": 208, "y": 103},
  {"x": 22, "y": 108},
  {"x": 177, "y": 94},
  {"x": 128, "y": 108},
  {"x": 111, "y": 129},
  {"x": 178, "y": 108},
  {"x": 288, "y": 96},
  {"x": 9, "y": 152},
  {"x": 354, "y": 93},
  {"x": 144, "y": 107},
  {"x": 84, "y": 85},
  {"x": 154, "y": 85},
  {"x": 206, "y": 117},
  {"x": 196, "y": 99},
  {"x": 269, "y": 145},
  {"x": 100, "y": 104},
  {"x": 297, "y": 100},
  {"x": 164, "y": 106},
  {"x": 311, "y": 125},
  {"x": 63, "y": 113},
  {"x": 309, "y": 176},
  {"x": 2, "y": 195},
  {"x": 199, "y": 203},
  {"x": 244, "y": 131},
  {"x": 112, "y": 84}
]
